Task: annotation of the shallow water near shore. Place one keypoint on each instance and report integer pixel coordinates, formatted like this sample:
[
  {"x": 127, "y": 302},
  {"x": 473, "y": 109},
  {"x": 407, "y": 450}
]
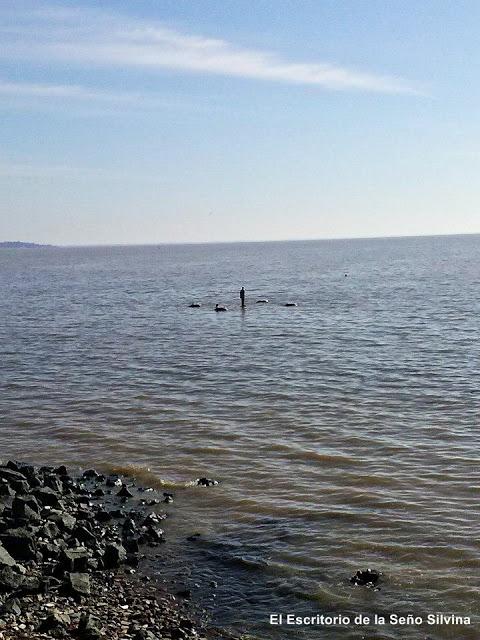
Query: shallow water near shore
[{"x": 344, "y": 432}]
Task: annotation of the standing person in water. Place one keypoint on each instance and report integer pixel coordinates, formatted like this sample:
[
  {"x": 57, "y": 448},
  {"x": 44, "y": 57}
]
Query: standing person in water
[{"x": 242, "y": 296}]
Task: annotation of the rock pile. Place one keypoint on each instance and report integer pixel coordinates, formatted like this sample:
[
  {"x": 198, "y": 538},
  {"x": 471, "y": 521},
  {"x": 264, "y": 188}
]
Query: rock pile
[{"x": 69, "y": 548}]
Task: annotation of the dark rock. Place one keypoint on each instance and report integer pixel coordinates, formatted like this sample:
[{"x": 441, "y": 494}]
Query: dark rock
[
  {"x": 50, "y": 530},
  {"x": 152, "y": 520},
  {"x": 12, "y": 605},
  {"x": 28, "y": 500},
  {"x": 128, "y": 527},
  {"x": 366, "y": 577},
  {"x": 90, "y": 474},
  {"x": 50, "y": 582},
  {"x": 20, "y": 544},
  {"x": 124, "y": 492},
  {"x": 131, "y": 545},
  {"x": 194, "y": 537},
  {"x": 154, "y": 535},
  {"x": 117, "y": 513},
  {"x": 74, "y": 560},
  {"x": 21, "y": 509},
  {"x": 10, "y": 580},
  {"x": 13, "y": 465},
  {"x": 83, "y": 534},
  {"x": 114, "y": 555},
  {"x": 63, "y": 520},
  {"x": 52, "y": 482},
  {"x": 83, "y": 514},
  {"x": 12, "y": 475},
  {"x": 47, "y": 497},
  {"x": 206, "y": 482},
  {"x": 99, "y": 493},
  {"x": 103, "y": 516},
  {"x": 54, "y": 620},
  {"x": 30, "y": 584},
  {"x": 48, "y": 550},
  {"x": 132, "y": 559},
  {"x": 6, "y": 559},
  {"x": 185, "y": 593},
  {"x": 78, "y": 584},
  {"x": 113, "y": 481},
  {"x": 5, "y": 488},
  {"x": 61, "y": 470},
  {"x": 87, "y": 628}
]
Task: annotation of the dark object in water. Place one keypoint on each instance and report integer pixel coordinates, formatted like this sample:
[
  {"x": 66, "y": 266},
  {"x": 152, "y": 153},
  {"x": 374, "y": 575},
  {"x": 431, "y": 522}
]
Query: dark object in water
[
  {"x": 262, "y": 301},
  {"x": 365, "y": 578},
  {"x": 291, "y": 304},
  {"x": 195, "y": 305},
  {"x": 194, "y": 537},
  {"x": 220, "y": 308},
  {"x": 206, "y": 482}
]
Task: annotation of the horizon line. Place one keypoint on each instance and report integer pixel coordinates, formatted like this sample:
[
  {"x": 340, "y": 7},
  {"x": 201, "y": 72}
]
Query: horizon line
[{"x": 216, "y": 242}]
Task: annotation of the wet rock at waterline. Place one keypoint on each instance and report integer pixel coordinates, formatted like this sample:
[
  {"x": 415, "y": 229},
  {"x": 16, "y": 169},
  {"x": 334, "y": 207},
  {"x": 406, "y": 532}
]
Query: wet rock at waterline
[{"x": 366, "y": 578}]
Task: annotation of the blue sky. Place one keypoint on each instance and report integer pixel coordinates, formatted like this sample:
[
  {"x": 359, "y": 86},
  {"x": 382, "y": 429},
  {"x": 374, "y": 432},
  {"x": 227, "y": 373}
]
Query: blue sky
[{"x": 162, "y": 121}]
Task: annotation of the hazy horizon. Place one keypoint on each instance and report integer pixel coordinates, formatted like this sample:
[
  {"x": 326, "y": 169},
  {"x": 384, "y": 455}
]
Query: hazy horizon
[{"x": 262, "y": 241}]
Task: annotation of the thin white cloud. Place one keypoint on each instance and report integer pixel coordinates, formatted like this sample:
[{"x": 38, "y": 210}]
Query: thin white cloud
[
  {"x": 63, "y": 92},
  {"x": 28, "y": 95},
  {"x": 96, "y": 38}
]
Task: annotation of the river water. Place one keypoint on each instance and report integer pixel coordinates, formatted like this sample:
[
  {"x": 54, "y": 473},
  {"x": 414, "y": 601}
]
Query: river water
[{"x": 344, "y": 432}]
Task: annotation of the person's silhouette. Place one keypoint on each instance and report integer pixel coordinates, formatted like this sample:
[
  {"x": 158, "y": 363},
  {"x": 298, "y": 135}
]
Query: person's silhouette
[{"x": 242, "y": 296}]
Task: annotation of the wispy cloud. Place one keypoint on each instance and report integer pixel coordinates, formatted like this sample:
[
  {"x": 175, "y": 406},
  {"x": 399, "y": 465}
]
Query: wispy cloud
[
  {"x": 96, "y": 38},
  {"x": 63, "y": 92},
  {"x": 88, "y": 100}
]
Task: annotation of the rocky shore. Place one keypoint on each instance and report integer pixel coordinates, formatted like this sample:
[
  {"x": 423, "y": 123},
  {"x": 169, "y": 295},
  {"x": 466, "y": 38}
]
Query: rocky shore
[{"x": 71, "y": 548}]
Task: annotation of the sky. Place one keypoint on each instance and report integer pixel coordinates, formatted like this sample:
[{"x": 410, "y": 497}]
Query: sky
[{"x": 152, "y": 121}]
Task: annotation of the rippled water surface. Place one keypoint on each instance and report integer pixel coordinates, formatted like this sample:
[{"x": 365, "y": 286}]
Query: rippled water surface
[{"x": 344, "y": 432}]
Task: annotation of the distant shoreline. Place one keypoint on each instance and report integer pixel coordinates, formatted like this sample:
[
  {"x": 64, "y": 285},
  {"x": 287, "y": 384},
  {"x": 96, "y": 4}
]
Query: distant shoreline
[{"x": 23, "y": 245}]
